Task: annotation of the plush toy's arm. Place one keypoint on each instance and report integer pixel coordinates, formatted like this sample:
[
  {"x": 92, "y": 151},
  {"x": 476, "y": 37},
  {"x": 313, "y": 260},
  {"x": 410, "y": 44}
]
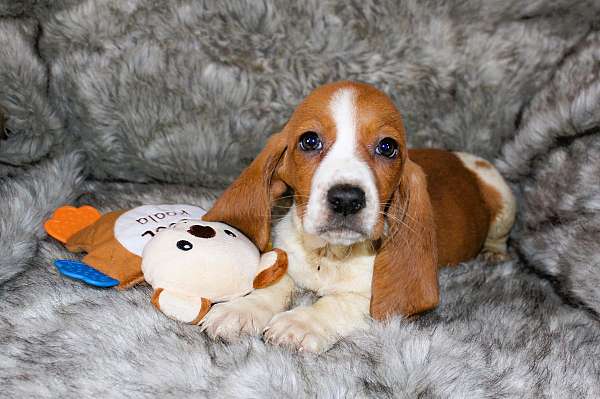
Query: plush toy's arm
[
  {"x": 94, "y": 234},
  {"x": 179, "y": 307},
  {"x": 273, "y": 265}
]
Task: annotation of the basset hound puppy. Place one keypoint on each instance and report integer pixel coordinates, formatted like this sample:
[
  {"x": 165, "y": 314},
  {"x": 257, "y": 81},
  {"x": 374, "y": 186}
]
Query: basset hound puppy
[{"x": 371, "y": 221}]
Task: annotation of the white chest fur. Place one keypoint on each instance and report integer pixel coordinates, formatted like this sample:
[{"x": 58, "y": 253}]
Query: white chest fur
[{"x": 324, "y": 270}]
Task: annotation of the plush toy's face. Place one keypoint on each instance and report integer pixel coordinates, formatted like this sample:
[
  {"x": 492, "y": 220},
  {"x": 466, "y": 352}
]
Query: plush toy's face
[{"x": 198, "y": 258}]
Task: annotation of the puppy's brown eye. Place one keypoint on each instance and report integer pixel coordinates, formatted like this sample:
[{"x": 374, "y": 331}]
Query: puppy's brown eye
[
  {"x": 310, "y": 141},
  {"x": 387, "y": 147}
]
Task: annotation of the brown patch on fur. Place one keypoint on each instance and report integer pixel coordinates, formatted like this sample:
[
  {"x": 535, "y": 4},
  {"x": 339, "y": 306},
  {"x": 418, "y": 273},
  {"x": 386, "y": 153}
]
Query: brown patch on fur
[
  {"x": 405, "y": 273},
  {"x": 483, "y": 164},
  {"x": 204, "y": 308},
  {"x": 461, "y": 215},
  {"x": 491, "y": 197},
  {"x": 155, "y": 297},
  {"x": 274, "y": 273}
]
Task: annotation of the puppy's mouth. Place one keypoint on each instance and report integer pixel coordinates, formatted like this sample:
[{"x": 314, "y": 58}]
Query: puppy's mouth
[{"x": 341, "y": 235}]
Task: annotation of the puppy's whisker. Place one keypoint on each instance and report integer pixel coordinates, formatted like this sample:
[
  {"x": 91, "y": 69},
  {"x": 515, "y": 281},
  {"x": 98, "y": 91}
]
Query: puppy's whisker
[
  {"x": 293, "y": 196},
  {"x": 394, "y": 231},
  {"x": 399, "y": 221},
  {"x": 405, "y": 214}
]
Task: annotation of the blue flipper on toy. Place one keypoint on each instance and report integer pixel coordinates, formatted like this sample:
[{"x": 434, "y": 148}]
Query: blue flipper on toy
[{"x": 80, "y": 271}]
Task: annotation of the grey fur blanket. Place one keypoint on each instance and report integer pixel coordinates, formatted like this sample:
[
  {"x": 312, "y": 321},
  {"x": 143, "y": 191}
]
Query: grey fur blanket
[{"x": 116, "y": 103}]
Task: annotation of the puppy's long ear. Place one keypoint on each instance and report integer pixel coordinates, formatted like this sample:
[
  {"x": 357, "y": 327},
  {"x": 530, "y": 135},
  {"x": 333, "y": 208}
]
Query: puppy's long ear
[
  {"x": 246, "y": 204},
  {"x": 405, "y": 277}
]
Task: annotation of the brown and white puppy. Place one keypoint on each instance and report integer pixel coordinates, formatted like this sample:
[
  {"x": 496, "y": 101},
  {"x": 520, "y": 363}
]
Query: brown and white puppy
[{"x": 370, "y": 224}]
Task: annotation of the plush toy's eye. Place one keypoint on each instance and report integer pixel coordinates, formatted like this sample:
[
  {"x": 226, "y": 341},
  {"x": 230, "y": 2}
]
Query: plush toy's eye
[
  {"x": 184, "y": 245},
  {"x": 230, "y": 233}
]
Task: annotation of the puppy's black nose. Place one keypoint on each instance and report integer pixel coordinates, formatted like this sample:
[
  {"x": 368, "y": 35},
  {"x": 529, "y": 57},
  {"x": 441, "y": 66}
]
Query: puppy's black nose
[{"x": 346, "y": 199}]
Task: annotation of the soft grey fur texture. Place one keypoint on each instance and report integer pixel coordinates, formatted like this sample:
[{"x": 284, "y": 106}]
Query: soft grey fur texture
[
  {"x": 555, "y": 157},
  {"x": 40, "y": 9},
  {"x": 27, "y": 200},
  {"x": 125, "y": 102},
  {"x": 32, "y": 125},
  {"x": 137, "y": 78}
]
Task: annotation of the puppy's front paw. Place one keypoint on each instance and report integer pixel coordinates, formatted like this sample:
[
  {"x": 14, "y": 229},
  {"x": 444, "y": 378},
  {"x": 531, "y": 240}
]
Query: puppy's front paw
[
  {"x": 230, "y": 320},
  {"x": 298, "y": 329}
]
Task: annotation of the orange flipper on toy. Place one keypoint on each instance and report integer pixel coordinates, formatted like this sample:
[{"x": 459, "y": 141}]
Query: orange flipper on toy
[{"x": 68, "y": 220}]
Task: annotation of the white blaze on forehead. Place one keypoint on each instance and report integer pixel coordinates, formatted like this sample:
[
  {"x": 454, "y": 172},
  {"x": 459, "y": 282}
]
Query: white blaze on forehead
[
  {"x": 343, "y": 110},
  {"x": 342, "y": 165}
]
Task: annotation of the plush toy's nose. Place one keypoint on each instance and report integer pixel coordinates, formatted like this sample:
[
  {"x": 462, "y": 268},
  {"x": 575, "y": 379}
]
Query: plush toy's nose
[{"x": 202, "y": 231}]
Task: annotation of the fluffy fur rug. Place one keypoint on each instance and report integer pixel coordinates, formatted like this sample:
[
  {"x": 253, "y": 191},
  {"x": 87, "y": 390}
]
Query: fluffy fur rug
[{"x": 122, "y": 102}]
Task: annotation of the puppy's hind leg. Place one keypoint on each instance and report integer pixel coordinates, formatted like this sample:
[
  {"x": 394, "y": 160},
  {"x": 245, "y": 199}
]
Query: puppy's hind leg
[{"x": 500, "y": 201}]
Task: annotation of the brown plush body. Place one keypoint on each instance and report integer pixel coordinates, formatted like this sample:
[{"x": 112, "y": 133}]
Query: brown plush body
[{"x": 105, "y": 253}]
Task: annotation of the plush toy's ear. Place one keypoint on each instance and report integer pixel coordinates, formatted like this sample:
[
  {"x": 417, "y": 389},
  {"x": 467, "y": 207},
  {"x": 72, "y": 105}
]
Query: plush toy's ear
[
  {"x": 246, "y": 204},
  {"x": 405, "y": 280}
]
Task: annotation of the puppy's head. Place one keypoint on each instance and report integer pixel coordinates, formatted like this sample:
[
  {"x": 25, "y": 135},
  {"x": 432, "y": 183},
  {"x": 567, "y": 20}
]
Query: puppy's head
[{"x": 343, "y": 154}]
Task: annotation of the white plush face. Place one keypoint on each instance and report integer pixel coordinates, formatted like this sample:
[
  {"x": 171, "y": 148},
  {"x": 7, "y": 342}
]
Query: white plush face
[{"x": 201, "y": 259}]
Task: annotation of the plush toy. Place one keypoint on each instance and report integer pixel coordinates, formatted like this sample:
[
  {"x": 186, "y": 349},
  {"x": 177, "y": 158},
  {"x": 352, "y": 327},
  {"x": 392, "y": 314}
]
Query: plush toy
[
  {"x": 114, "y": 241},
  {"x": 196, "y": 263},
  {"x": 190, "y": 263}
]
